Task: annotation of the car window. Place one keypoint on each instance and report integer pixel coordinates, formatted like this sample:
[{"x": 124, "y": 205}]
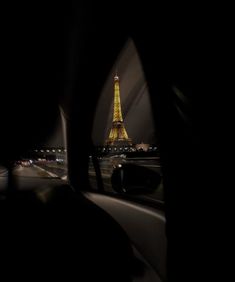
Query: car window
[
  {"x": 124, "y": 133},
  {"x": 45, "y": 161}
]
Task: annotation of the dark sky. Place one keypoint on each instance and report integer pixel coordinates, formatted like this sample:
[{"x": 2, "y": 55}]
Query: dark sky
[
  {"x": 56, "y": 138},
  {"x": 136, "y": 106}
]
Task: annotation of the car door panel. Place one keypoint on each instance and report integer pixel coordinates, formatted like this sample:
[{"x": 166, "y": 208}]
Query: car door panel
[{"x": 145, "y": 227}]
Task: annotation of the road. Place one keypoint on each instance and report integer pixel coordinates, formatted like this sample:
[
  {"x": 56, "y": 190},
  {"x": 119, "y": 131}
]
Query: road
[
  {"x": 31, "y": 171},
  {"x": 43, "y": 171},
  {"x": 27, "y": 177}
]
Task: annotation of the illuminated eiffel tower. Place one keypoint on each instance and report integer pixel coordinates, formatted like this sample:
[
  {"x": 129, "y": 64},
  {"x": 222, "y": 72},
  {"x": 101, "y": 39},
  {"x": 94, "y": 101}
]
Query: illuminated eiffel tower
[{"x": 118, "y": 135}]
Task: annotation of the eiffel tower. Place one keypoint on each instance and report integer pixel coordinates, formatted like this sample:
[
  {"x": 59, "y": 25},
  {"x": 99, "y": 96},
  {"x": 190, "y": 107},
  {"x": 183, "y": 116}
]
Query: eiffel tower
[{"x": 118, "y": 135}]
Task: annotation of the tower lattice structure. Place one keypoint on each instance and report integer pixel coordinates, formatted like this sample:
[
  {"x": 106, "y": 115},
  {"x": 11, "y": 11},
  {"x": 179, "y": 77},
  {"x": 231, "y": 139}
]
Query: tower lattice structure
[{"x": 118, "y": 134}]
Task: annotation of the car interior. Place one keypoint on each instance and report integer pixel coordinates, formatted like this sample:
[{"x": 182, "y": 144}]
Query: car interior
[{"x": 56, "y": 63}]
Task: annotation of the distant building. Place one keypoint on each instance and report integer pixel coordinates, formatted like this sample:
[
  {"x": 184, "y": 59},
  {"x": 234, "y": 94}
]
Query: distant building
[
  {"x": 142, "y": 147},
  {"x": 50, "y": 154}
]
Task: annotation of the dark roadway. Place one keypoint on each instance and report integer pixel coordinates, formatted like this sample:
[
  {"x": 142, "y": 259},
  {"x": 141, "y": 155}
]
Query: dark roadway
[
  {"x": 27, "y": 177},
  {"x": 41, "y": 172}
]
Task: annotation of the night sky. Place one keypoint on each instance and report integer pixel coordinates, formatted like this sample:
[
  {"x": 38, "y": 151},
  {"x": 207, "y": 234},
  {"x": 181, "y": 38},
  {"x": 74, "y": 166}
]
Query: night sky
[{"x": 56, "y": 139}]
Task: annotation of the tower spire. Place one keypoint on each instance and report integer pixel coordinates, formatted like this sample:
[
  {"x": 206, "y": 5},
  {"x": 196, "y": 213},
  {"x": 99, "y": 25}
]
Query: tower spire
[
  {"x": 116, "y": 73},
  {"x": 118, "y": 134}
]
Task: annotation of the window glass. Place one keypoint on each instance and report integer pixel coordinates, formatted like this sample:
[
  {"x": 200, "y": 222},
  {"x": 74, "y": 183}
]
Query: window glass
[
  {"x": 124, "y": 132},
  {"x": 45, "y": 161}
]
